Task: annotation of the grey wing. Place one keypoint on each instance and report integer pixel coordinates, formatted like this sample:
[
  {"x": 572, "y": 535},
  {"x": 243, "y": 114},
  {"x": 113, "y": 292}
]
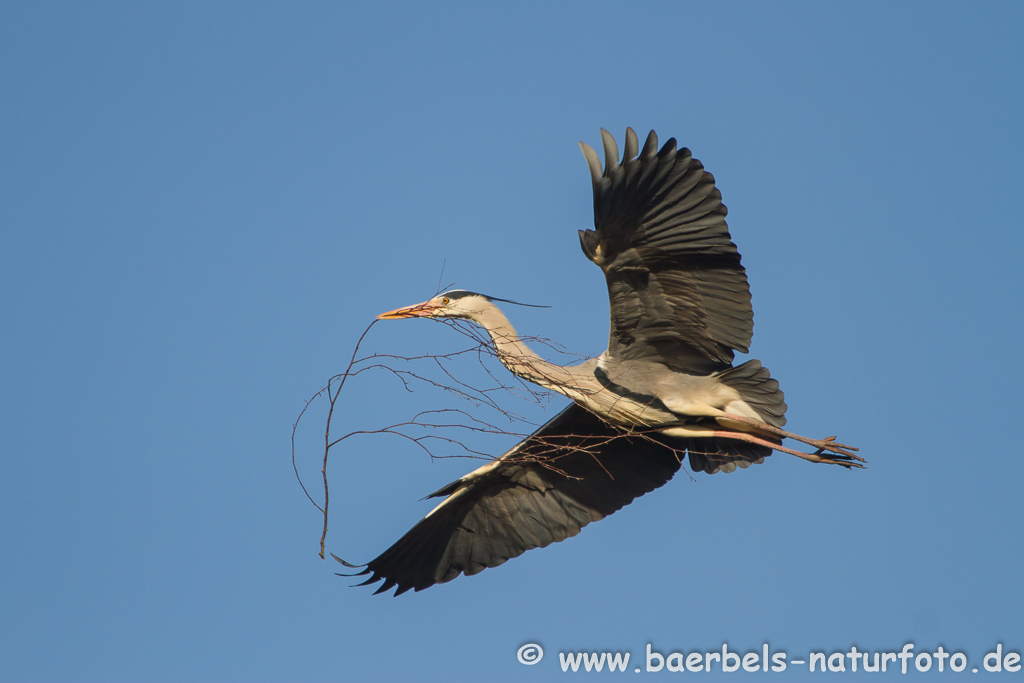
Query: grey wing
[
  {"x": 677, "y": 291},
  {"x": 572, "y": 471}
]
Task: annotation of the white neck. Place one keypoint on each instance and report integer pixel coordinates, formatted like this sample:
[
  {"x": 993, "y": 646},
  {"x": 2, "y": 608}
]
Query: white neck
[{"x": 515, "y": 355}]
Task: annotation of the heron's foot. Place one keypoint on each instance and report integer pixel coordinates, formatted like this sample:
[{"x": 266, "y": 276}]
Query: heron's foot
[
  {"x": 830, "y": 445},
  {"x": 844, "y": 458},
  {"x": 837, "y": 456}
]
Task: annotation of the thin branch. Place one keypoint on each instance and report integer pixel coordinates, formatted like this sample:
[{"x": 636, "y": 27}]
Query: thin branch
[{"x": 447, "y": 427}]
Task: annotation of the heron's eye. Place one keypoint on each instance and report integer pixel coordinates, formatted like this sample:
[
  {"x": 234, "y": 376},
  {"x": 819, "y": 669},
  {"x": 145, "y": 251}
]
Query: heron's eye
[{"x": 445, "y": 301}]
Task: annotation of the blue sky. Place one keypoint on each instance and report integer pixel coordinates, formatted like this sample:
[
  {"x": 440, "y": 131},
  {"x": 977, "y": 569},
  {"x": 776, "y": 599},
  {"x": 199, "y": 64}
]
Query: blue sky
[{"x": 204, "y": 205}]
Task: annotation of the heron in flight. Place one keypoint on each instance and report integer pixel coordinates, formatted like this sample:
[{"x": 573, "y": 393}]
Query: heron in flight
[{"x": 665, "y": 388}]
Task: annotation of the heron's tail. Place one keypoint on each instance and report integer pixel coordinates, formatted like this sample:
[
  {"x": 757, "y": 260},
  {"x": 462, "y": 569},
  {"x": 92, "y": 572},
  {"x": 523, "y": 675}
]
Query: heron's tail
[
  {"x": 714, "y": 455},
  {"x": 757, "y": 388}
]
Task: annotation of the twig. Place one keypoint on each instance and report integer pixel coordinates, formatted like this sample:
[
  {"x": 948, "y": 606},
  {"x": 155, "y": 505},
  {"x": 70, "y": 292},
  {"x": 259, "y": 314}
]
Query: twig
[{"x": 427, "y": 428}]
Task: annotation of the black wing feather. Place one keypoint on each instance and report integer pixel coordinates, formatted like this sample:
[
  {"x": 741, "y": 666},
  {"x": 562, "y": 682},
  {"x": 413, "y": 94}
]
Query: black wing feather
[
  {"x": 678, "y": 292},
  {"x": 574, "y": 470}
]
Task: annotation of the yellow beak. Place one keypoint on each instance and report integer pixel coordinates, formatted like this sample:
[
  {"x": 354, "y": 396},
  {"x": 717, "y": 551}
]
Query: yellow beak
[{"x": 422, "y": 310}]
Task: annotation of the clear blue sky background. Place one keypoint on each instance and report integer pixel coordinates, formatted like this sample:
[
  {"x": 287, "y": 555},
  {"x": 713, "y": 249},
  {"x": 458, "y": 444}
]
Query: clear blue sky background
[{"x": 204, "y": 204}]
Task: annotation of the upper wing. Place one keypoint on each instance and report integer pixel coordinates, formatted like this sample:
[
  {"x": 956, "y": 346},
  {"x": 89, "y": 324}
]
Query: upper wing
[
  {"x": 572, "y": 471},
  {"x": 677, "y": 290}
]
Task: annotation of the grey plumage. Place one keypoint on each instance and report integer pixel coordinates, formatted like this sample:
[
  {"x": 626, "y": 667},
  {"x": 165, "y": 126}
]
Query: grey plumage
[{"x": 680, "y": 308}]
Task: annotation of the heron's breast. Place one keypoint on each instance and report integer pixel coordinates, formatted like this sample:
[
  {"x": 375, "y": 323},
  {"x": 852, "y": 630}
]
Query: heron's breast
[{"x": 624, "y": 411}]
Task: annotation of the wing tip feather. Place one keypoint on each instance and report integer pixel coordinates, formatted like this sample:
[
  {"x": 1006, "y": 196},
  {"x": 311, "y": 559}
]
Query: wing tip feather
[
  {"x": 593, "y": 163},
  {"x": 611, "y": 151}
]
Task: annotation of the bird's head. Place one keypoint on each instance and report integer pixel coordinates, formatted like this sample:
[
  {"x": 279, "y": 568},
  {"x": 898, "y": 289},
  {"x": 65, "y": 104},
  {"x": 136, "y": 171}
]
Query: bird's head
[{"x": 457, "y": 303}]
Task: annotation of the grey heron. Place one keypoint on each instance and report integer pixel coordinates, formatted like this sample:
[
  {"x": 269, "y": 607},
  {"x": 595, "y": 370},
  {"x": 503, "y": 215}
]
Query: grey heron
[{"x": 666, "y": 386}]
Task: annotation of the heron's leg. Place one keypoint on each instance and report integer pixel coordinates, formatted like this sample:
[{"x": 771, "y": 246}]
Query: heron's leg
[
  {"x": 841, "y": 459},
  {"x": 693, "y": 408},
  {"x": 827, "y": 444},
  {"x": 702, "y": 432}
]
